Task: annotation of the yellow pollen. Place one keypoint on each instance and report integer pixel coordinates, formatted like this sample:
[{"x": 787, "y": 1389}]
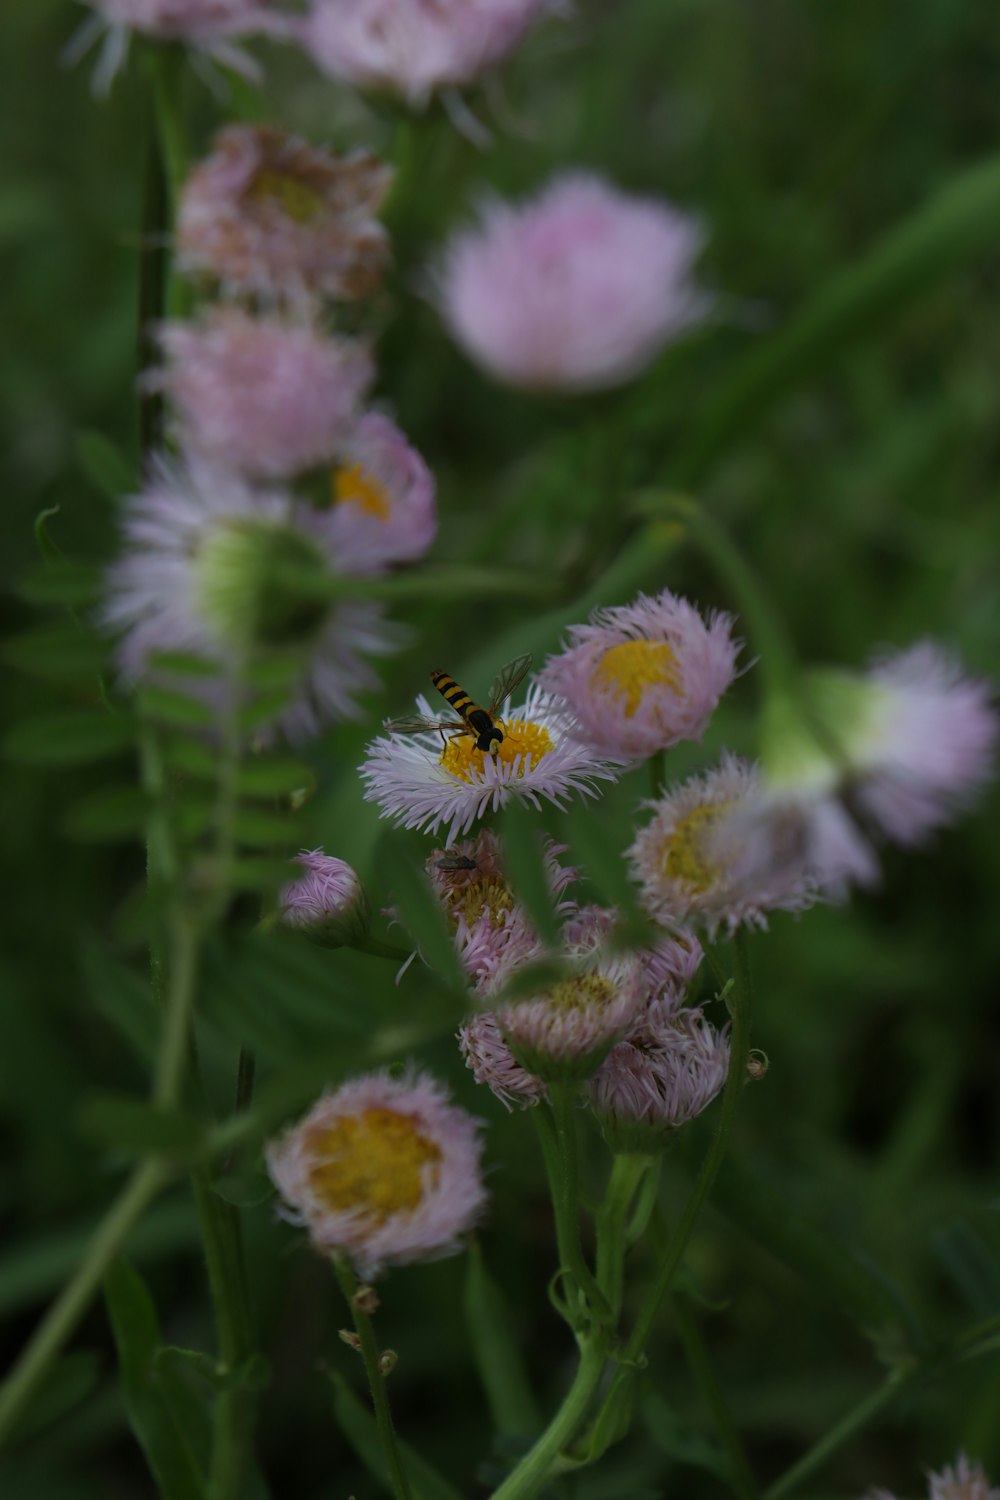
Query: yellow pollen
[
  {"x": 490, "y": 894},
  {"x": 684, "y": 858},
  {"x": 629, "y": 669},
  {"x": 294, "y": 197},
  {"x": 585, "y": 990},
  {"x": 520, "y": 737},
  {"x": 352, "y": 486},
  {"x": 373, "y": 1163}
]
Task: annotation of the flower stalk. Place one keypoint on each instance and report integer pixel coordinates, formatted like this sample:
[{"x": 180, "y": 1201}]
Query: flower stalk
[{"x": 369, "y": 1351}]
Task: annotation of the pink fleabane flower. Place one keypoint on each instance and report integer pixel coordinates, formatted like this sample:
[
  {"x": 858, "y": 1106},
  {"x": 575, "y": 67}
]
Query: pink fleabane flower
[
  {"x": 576, "y": 289},
  {"x": 383, "y": 495},
  {"x": 493, "y": 1063},
  {"x": 966, "y": 1481},
  {"x": 646, "y": 675},
  {"x": 327, "y": 901},
  {"x": 565, "y": 1030},
  {"x": 199, "y": 574},
  {"x": 667, "y": 968},
  {"x": 269, "y": 216},
  {"x": 414, "y": 47},
  {"x": 208, "y": 25},
  {"x": 688, "y": 867},
  {"x": 383, "y": 1171},
  {"x": 259, "y": 395},
  {"x": 438, "y": 781}
]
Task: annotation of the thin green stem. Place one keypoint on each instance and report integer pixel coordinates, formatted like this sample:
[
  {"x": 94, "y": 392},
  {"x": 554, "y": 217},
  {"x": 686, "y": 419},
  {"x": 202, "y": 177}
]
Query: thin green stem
[
  {"x": 232, "y": 1425},
  {"x": 166, "y": 69},
  {"x": 848, "y": 1426},
  {"x": 182, "y": 982},
  {"x": 542, "y": 1459},
  {"x": 376, "y": 1380},
  {"x": 627, "y": 1174},
  {"x": 700, "y": 1364},
  {"x": 556, "y": 1124}
]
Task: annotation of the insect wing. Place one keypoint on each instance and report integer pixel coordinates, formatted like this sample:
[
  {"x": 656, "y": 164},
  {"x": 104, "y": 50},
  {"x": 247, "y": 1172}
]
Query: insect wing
[
  {"x": 456, "y": 862},
  {"x": 507, "y": 679},
  {"x": 415, "y": 724}
]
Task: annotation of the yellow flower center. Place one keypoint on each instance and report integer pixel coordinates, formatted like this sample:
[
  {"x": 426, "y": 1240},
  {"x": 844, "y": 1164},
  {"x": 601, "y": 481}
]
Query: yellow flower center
[
  {"x": 372, "y": 1163},
  {"x": 294, "y": 197},
  {"x": 585, "y": 990},
  {"x": 520, "y": 737},
  {"x": 352, "y": 486},
  {"x": 629, "y": 669},
  {"x": 489, "y": 894},
  {"x": 684, "y": 855}
]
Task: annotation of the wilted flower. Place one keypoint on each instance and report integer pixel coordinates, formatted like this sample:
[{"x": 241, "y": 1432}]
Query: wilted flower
[
  {"x": 209, "y": 25},
  {"x": 269, "y": 216},
  {"x": 565, "y": 1030},
  {"x": 577, "y": 289},
  {"x": 493, "y": 1063},
  {"x": 643, "y": 676},
  {"x": 966, "y": 1481},
  {"x": 203, "y": 573},
  {"x": 686, "y": 864},
  {"x": 413, "y": 47},
  {"x": 259, "y": 395},
  {"x": 431, "y": 781},
  {"x": 383, "y": 506},
  {"x": 382, "y": 1170},
  {"x": 327, "y": 902}
]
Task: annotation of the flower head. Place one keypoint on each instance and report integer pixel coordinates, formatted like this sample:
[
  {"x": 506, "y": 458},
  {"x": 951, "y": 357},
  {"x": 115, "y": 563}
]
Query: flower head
[
  {"x": 201, "y": 573},
  {"x": 493, "y": 1063},
  {"x": 260, "y": 395},
  {"x": 435, "y": 780},
  {"x": 577, "y": 289},
  {"x": 667, "y": 967},
  {"x": 209, "y": 25},
  {"x": 686, "y": 862},
  {"x": 269, "y": 216},
  {"x": 383, "y": 510},
  {"x": 565, "y": 1030},
  {"x": 414, "y": 47},
  {"x": 642, "y": 677},
  {"x": 327, "y": 902},
  {"x": 382, "y": 1170},
  {"x": 966, "y": 1481}
]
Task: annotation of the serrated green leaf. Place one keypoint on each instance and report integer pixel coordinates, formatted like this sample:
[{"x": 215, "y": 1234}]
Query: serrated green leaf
[
  {"x": 118, "y": 812},
  {"x": 107, "y": 468},
  {"x": 274, "y": 776},
  {"x": 67, "y": 739},
  {"x": 412, "y": 896},
  {"x": 139, "y": 1127},
  {"x": 523, "y": 838},
  {"x": 56, "y": 652},
  {"x": 259, "y": 829},
  {"x": 358, "y": 1426},
  {"x": 496, "y": 1352},
  {"x": 183, "y": 664},
  {"x": 122, "y": 997},
  {"x": 168, "y": 706},
  {"x": 62, "y": 581}
]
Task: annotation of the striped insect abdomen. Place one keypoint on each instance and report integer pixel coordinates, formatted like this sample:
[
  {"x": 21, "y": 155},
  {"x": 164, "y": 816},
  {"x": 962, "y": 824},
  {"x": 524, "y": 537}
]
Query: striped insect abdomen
[{"x": 476, "y": 717}]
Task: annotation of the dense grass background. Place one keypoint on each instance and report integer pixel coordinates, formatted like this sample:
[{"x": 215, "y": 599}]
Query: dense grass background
[{"x": 862, "y": 485}]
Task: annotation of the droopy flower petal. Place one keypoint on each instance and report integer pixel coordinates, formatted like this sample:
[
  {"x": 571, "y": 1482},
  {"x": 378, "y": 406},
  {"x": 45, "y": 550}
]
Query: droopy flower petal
[
  {"x": 382, "y": 1170},
  {"x": 642, "y": 677},
  {"x": 492, "y": 1062},
  {"x": 383, "y": 497},
  {"x": 664, "y": 1073},
  {"x": 576, "y": 289}
]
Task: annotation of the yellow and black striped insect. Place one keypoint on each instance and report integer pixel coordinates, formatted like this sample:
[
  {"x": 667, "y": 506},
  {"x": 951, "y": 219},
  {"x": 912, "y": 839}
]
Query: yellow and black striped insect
[{"x": 477, "y": 722}]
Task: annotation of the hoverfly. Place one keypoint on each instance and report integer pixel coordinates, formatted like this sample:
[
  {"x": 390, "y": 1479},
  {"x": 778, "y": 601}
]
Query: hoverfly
[{"x": 477, "y": 722}]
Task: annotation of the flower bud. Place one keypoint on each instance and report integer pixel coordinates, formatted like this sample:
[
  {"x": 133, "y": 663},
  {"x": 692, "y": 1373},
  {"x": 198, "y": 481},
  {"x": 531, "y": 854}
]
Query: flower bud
[{"x": 328, "y": 903}]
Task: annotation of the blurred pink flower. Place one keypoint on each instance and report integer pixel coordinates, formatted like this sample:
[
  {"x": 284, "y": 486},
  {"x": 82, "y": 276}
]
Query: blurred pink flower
[
  {"x": 966, "y": 1481},
  {"x": 646, "y": 675},
  {"x": 269, "y": 216},
  {"x": 327, "y": 902},
  {"x": 261, "y": 396},
  {"x": 413, "y": 47},
  {"x": 576, "y": 289},
  {"x": 209, "y": 25},
  {"x": 383, "y": 1170},
  {"x": 384, "y": 510},
  {"x": 667, "y": 968},
  {"x": 492, "y": 1062}
]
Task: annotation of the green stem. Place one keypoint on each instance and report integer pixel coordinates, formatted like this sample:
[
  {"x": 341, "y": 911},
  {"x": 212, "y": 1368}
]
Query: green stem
[
  {"x": 232, "y": 1424},
  {"x": 841, "y": 1433},
  {"x": 376, "y": 1380},
  {"x": 627, "y": 1173},
  {"x": 741, "y": 1475},
  {"x": 542, "y": 1459},
  {"x": 183, "y": 974},
  {"x": 166, "y": 69},
  {"x": 556, "y": 1124}
]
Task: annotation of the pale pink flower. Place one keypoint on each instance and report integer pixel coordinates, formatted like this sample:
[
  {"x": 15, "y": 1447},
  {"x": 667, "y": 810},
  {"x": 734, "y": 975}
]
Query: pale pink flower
[
  {"x": 383, "y": 497},
  {"x": 688, "y": 868},
  {"x": 270, "y": 216},
  {"x": 327, "y": 902},
  {"x": 433, "y": 781},
  {"x": 383, "y": 1171},
  {"x": 667, "y": 968},
  {"x": 194, "y": 578},
  {"x": 208, "y": 25},
  {"x": 260, "y": 395},
  {"x": 565, "y": 1030},
  {"x": 966, "y": 1481},
  {"x": 492, "y": 1062},
  {"x": 414, "y": 47},
  {"x": 646, "y": 675},
  {"x": 576, "y": 289}
]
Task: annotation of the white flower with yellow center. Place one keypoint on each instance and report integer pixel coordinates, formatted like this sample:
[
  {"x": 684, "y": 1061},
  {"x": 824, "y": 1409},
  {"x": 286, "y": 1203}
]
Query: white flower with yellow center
[{"x": 436, "y": 779}]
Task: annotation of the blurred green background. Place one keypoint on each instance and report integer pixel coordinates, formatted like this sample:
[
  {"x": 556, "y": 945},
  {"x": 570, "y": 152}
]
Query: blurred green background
[{"x": 862, "y": 485}]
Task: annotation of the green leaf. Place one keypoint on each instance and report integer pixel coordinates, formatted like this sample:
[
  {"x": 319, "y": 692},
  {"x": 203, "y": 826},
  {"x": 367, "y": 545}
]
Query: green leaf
[
  {"x": 275, "y": 672},
  {"x": 274, "y": 776},
  {"x": 457, "y": 582},
  {"x": 597, "y": 843},
  {"x": 183, "y": 664},
  {"x": 411, "y": 894},
  {"x": 246, "y": 1188},
  {"x": 66, "y": 1385},
  {"x": 122, "y": 998},
  {"x": 255, "y": 873},
  {"x": 972, "y": 1266},
  {"x": 165, "y": 1443},
  {"x": 138, "y": 1127},
  {"x": 67, "y": 739},
  {"x": 259, "y": 829},
  {"x": 47, "y": 548},
  {"x": 115, "y": 813},
  {"x": 265, "y": 707},
  {"x": 61, "y": 581},
  {"x": 495, "y": 1350},
  {"x": 195, "y": 757},
  {"x": 107, "y": 468},
  {"x": 359, "y": 1427},
  {"x": 57, "y": 652},
  {"x": 168, "y": 706},
  {"x": 524, "y": 861},
  {"x": 678, "y": 1439}
]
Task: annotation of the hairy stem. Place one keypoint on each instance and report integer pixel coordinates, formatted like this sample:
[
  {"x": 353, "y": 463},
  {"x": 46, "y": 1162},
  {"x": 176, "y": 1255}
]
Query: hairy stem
[{"x": 376, "y": 1380}]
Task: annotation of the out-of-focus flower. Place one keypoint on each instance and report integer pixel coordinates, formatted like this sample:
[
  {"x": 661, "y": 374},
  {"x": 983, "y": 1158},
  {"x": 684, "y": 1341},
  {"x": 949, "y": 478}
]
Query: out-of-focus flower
[
  {"x": 203, "y": 572},
  {"x": 686, "y": 864},
  {"x": 966, "y": 1481},
  {"x": 666, "y": 1071},
  {"x": 644, "y": 676},
  {"x": 269, "y": 216},
  {"x": 209, "y": 25},
  {"x": 667, "y": 968},
  {"x": 492, "y": 1062},
  {"x": 260, "y": 395},
  {"x": 576, "y": 289},
  {"x": 428, "y": 781},
  {"x": 327, "y": 902},
  {"x": 565, "y": 1031},
  {"x": 382, "y": 1170},
  {"x": 383, "y": 505},
  {"x": 414, "y": 47}
]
